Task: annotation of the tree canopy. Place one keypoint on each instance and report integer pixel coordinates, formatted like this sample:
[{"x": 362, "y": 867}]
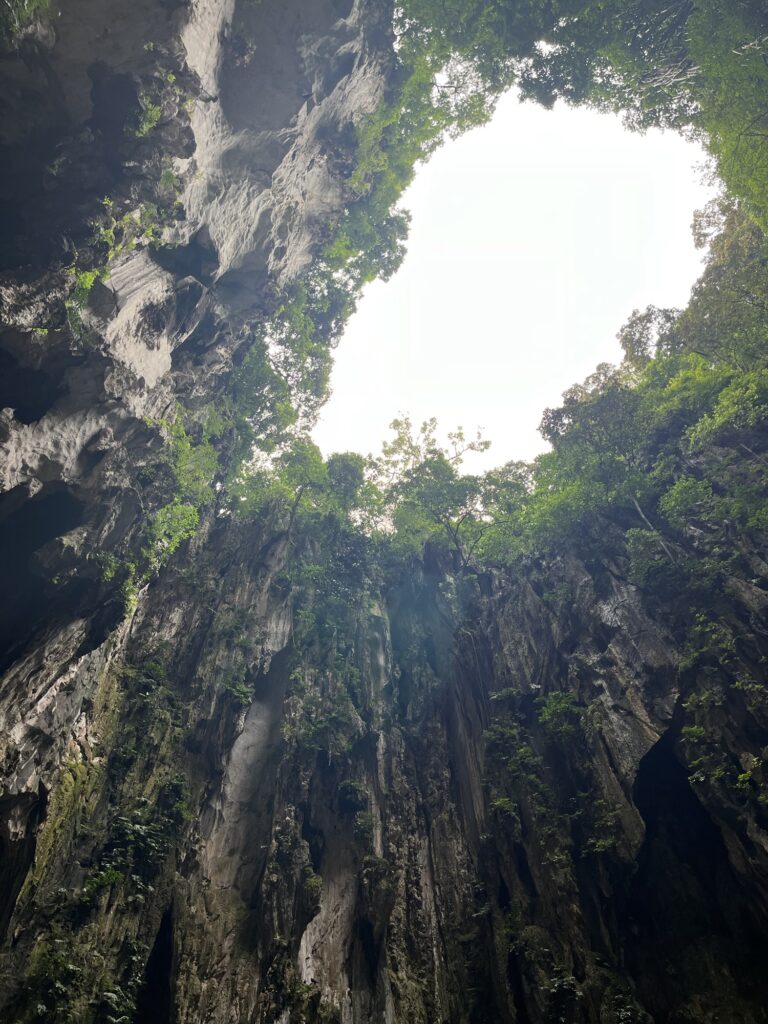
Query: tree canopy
[{"x": 645, "y": 444}]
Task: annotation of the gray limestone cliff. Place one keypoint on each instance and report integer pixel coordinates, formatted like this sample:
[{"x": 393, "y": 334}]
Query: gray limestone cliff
[
  {"x": 256, "y": 794},
  {"x": 166, "y": 169},
  {"x": 266, "y": 812}
]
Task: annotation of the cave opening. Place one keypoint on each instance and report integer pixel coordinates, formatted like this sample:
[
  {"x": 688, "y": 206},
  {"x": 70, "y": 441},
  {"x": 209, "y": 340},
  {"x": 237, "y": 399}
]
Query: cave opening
[
  {"x": 585, "y": 200},
  {"x": 154, "y": 1003},
  {"x": 29, "y": 392},
  {"x": 26, "y": 598},
  {"x": 115, "y": 103},
  {"x": 19, "y": 818},
  {"x": 370, "y": 949},
  {"x": 694, "y": 925}
]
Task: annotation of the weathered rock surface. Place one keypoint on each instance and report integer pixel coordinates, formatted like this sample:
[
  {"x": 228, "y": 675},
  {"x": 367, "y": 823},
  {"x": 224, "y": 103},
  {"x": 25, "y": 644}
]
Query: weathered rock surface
[
  {"x": 378, "y": 823},
  {"x": 191, "y": 155},
  {"x": 453, "y": 798}
]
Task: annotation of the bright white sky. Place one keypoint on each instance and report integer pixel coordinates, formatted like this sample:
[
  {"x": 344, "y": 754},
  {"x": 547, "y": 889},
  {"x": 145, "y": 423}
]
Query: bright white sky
[{"x": 533, "y": 238}]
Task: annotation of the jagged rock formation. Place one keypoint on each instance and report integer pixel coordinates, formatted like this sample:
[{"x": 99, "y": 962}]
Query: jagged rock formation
[
  {"x": 215, "y": 132},
  {"x": 255, "y": 825},
  {"x": 435, "y": 795}
]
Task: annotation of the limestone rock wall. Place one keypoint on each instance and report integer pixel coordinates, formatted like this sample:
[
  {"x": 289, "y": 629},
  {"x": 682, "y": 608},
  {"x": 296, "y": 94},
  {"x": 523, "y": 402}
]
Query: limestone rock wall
[
  {"x": 165, "y": 169},
  {"x": 460, "y": 797},
  {"x": 254, "y": 823}
]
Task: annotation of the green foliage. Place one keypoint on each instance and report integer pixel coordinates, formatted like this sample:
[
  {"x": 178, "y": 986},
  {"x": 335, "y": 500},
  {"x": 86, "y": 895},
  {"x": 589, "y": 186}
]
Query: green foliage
[
  {"x": 504, "y": 805},
  {"x": 691, "y": 66},
  {"x": 363, "y": 827},
  {"x": 558, "y": 713},
  {"x": 688, "y": 499},
  {"x": 727, "y": 316},
  {"x": 694, "y": 733},
  {"x": 169, "y": 180},
  {"x": 352, "y": 797},
  {"x": 368, "y": 244},
  {"x": 96, "y": 883},
  {"x": 133, "y": 853},
  {"x": 686, "y": 65},
  {"x": 604, "y": 825},
  {"x": 755, "y": 693},
  {"x": 292, "y": 356},
  {"x": 697, "y": 67},
  {"x": 647, "y": 458},
  {"x": 320, "y": 719},
  {"x": 709, "y": 641},
  {"x": 730, "y": 47},
  {"x": 16, "y": 15},
  {"x": 742, "y": 404},
  {"x": 84, "y": 282},
  {"x": 130, "y": 590},
  {"x": 509, "y": 754},
  {"x": 423, "y": 494},
  {"x": 148, "y": 119},
  {"x": 149, "y": 674},
  {"x": 437, "y": 500},
  {"x": 302, "y": 331},
  {"x": 169, "y": 526},
  {"x": 115, "y": 234},
  {"x": 194, "y": 465},
  {"x": 261, "y": 415},
  {"x": 239, "y": 692},
  {"x": 140, "y": 839},
  {"x": 116, "y": 1005},
  {"x": 53, "y": 983},
  {"x": 110, "y": 565},
  {"x": 120, "y": 572},
  {"x": 299, "y": 488},
  {"x": 292, "y": 483},
  {"x": 561, "y": 992},
  {"x": 313, "y": 885},
  {"x": 653, "y": 464},
  {"x": 174, "y": 802}
]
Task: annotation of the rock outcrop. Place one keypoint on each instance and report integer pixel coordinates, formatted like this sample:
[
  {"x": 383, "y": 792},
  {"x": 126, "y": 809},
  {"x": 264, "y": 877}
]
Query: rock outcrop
[
  {"x": 252, "y": 792},
  {"x": 166, "y": 169},
  {"x": 469, "y": 797}
]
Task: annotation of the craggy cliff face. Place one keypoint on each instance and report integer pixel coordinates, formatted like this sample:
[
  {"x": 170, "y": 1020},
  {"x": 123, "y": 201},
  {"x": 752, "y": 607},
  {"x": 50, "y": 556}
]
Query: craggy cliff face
[
  {"x": 253, "y": 795},
  {"x": 165, "y": 168},
  {"x": 196, "y": 153},
  {"x": 264, "y": 816}
]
